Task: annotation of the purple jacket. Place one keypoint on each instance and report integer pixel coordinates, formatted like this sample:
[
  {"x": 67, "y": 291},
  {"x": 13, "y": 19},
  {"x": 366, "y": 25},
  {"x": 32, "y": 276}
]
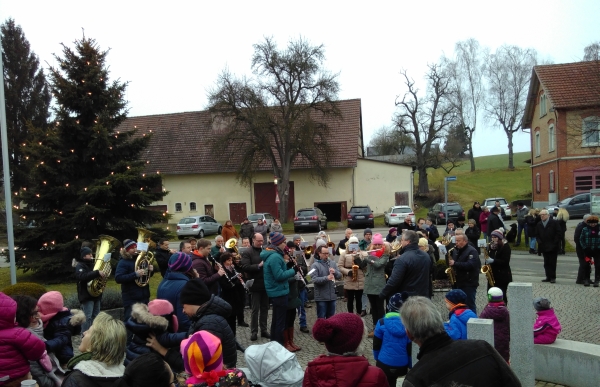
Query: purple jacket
[
  {"x": 498, "y": 312},
  {"x": 546, "y": 327}
]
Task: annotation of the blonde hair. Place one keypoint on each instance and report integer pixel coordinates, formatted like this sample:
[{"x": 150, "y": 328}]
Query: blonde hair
[
  {"x": 532, "y": 212},
  {"x": 108, "y": 340},
  {"x": 423, "y": 242},
  {"x": 563, "y": 214}
]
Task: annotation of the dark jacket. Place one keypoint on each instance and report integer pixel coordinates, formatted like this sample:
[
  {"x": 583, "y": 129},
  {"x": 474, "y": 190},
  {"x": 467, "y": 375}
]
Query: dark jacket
[
  {"x": 439, "y": 365},
  {"x": 250, "y": 261},
  {"x": 532, "y": 221},
  {"x": 434, "y": 234},
  {"x": 473, "y": 234},
  {"x": 211, "y": 317},
  {"x": 498, "y": 312},
  {"x": 230, "y": 289},
  {"x": 91, "y": 373},
  {"x": 169, "y": 289},
  {"x": 247, "y": 230},
  {"x": 347, "y": 371},
  {"x": 494, "y": 223},
  {"x": 59, "y": 331},
  {"x": 206, "y": 272},
  {"x": 85, "y": 274},
  {"x": 577, "y": 235},
  {"x": 466, "y": 266},
  {"x": 126, "y": 276},
  {"x": 501, "y": 265},
  {"x": 162, "y": 257},
  {"x": 410, "y": 273},
  {"x": 590, "y": 239},
  {"x": 474, "y": 214},
  {"x": 548, "y": 237},
  {"x": 341, "y": 245}
]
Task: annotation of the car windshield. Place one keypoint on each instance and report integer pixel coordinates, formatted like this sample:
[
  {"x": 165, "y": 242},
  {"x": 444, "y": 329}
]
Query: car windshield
[
  {"x": 360, "y": 210},
  {"x": 454, "y": 207},
  {"x": 187, "y": 221},
  {"x": 401, "y": 210},
  {"x": 306, "y": 213},
  {"x": 254, "y": 217}
]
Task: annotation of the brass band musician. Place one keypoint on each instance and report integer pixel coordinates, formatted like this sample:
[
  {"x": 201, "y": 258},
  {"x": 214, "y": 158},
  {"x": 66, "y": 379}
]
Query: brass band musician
[{"x": 499, "y": 260}]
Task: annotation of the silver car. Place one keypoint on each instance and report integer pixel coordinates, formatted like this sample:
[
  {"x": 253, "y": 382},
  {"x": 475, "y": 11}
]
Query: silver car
[
  {"x": 396, "y": 215},
  {"x": 198, "y": 226}
]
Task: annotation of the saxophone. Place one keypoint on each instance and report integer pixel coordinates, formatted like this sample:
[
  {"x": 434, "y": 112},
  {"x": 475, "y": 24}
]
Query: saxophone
[
  {"x": 354, "y": 273},
  {"x": 450, "y": 270},
  {"x": 105, "y": 245},
  {"x": 487, "y": 269}
]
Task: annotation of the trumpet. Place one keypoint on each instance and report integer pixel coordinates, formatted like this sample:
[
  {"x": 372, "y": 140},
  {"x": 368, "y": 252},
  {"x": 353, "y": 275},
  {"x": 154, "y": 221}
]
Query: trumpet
[{"x": 487, "y": 269}]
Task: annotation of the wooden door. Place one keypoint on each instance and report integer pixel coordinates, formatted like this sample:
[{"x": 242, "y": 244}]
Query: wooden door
[{"x": 237, "y": 212}]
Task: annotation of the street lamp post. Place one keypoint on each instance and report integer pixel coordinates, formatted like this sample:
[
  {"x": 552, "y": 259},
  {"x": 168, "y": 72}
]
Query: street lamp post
[{"x": 276, "y": 197}]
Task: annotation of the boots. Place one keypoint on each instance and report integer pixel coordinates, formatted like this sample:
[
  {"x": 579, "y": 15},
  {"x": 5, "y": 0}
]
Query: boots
[
  {"x": 596, "y": 283},
  {"x": 586, "y": 282},
  {"x": 291, "y": 337},
  {"x": 286, "y": 341}
]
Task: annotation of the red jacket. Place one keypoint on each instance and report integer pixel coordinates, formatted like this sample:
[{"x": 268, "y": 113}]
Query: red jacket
[
  {"x": 343, "y": 371},
  {"x": 17, "y": 345}
]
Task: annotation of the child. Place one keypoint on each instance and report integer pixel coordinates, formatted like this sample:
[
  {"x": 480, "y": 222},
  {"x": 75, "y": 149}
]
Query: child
[
  {"x": 391, "y": 345},
  {"x": 546, "y": 326},
  {"x": 203, "y": 360},
  {"x": 60, "y": 324},
  {"x": 496, "y": 310},
  {"x": 459, "y": 314},
  {"x": 17, "y": 345}
]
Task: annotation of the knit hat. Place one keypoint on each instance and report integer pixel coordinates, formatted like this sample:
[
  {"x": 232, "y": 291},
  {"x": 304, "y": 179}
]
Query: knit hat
[
  {"x": 340, "y": 333},
  {"x": 194, "y": 292},
  {"x": 321, "y": 234},
  {"x": 50, "y": 304},
  {"x": 296, "y": 236},
  {"x": 180, "y": 262},
  {"x": 352, "y": 239},
  {"x": 320, "y": 242},
  {"x": 395, "y": 302},
  {"x": 541, "y": 303},
  {"x": 202, "y": 353},
  {"x": 85, "y": 251},
  {"x": 498, "y": 234},
  {"x": 277, "y": 238},
  {"x": 367, "y": 231},
  {"x": 392, "y": 230},
  {"x": 495, "y": 295},
  {"x": 455, "y": 297},
  {"x": 129, "y": 244},
  {"x": 377, "y": 239},
  {"x": 592, "y": 219},
  {"x": 159, "y": 307}
]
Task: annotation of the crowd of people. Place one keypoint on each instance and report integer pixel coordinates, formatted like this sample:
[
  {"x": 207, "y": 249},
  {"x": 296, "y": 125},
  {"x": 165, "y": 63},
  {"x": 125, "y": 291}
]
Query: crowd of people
[{"x": 191, "y": 327}]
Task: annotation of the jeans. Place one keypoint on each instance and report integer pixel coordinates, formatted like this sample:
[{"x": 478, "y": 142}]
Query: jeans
[
  {"x": 260, "y": 304},
  {"x": 365, "y": 301},
  {"x": 471, "y": 292},
  {"x": 532, "y": 241},
  {"x": 278, "y": 318},
  {"x": 352, "y": 294},
  {"x": 301, "y": 311},
  {"x": 325, "y": 309},
  {"x": 91, "y": 309},
  {"x": 522, "y": 226}
]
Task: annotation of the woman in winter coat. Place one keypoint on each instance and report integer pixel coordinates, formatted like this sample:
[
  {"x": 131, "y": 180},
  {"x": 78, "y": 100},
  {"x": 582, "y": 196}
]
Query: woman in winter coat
[
  {"x": 499, "y": 261},
  {"x": 562, "y": 217},
  {"x": 473, "y": 233},
  {"x": 230, "y": 285},
  {"x": 262, "y": 229},
  {"x": 352, "y": 266},
  {"x": 17, "y": 345},
  {"x": 180, "y": 266},
  {"x": 60, "y": 325},
  {"x": 483, "y": 221},
  {"x": 229, "y": 231},
  {"x": 341, "y": 365},
  {"x": 90, "y": 305},
  {"x": 126, "y": 275},
  {"x": 323, "y": 278},
  {"x": 276, "y": 226},
  {"x": 474, "y": 213},
  {"x": 375, "y": 280},
  {"x": 496, "y": 310},
  {"x": 102, "y": 353},
  {"x": 532, "y": 219}
]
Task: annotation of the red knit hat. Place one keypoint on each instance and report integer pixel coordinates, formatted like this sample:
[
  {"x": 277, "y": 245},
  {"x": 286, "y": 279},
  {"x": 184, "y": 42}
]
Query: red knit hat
[
  {"x": 340, "y": 333},
  {"x": 50, "y": 304}
]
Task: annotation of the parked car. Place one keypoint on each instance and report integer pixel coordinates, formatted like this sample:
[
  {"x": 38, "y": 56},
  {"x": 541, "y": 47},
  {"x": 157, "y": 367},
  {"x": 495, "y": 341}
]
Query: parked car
[
  {"x": 491, "y": 202},
  {"x": 266, "y": 218},
  {"x": 576, "y": 205},
  {"x": 310, "y": 218},
  {"x": 360, "y": 216},
  {"x": 437, "y": 213},
  {"x": 198, "y": 226},
  {"x": 396, "y": 215}
]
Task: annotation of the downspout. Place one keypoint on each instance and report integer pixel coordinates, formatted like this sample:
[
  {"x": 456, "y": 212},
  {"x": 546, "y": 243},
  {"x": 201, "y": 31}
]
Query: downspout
[
  {"x": 557, "y": 187},
  {"x": 251, "y": 200},
  {"x": 353, "y": 199}
]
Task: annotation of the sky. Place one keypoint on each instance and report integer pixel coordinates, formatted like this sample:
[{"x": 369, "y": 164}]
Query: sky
[{"x": 171, "y": 53}]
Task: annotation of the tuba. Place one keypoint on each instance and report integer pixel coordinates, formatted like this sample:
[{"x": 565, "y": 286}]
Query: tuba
[
  {"x": 105, "y": 245},
  {"x": 487, "y": 269},
  {"x": 145, "y": 258}
]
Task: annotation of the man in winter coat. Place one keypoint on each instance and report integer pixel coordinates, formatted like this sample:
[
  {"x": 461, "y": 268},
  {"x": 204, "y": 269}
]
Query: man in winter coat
[
  {"x": 90, "y": 305},
  {"x": 162, "y": 255},
  {"x": 579, "y": 251},
  {"x": 411, "y": 271},
  {"x": 438, "y": 363},
  {"x": 366, "y": 241},
  {"x": 205, "y": 268},
  {"x": 252, "y": 265},
  {"x": 548, "y": 235},
  {"x": 262, "y": 229},
  {"x": 246, "y": 229},
  {"x": 466, "y": 264},
  {"x": 494, "y": 222},
  {"x": 590, "y": 243},
  {"x": 208, "y": 312},
  {"x": 474, "y": 213},
  {"x": 522, "y": 212},
  {"x": 276, "y": 276}
]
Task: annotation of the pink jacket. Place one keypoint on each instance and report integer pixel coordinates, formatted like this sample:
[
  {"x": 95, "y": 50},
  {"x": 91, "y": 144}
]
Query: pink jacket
[
  {"x": 17, "y": 345},
  {"x": 546, "y": 327}
]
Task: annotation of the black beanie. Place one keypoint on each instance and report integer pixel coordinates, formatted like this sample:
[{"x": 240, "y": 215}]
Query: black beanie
[
  {"x": 194, "y": 292},
  {"x": 85, "y": 251}
]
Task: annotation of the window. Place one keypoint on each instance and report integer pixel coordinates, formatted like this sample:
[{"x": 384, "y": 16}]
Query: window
[
  {"x": 537, "y": 144},
  {"x": 543, "y": 108},
  {"x": 551, "y": 139},
  {"x": 193, "y": 206},
  {"x": 538, "y": 183},
  {"x": 586, "y": 178},
  {"x": 551, "y": 182},
  {"x": 591, "y": 131},
  {"x": 177, "y": 207}
]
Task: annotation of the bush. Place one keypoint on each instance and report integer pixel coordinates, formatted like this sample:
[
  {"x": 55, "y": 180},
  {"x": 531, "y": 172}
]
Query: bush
[
  {"x": 111, "y": 299},
  {"x": 440, "y": 270},
  {"x": 26, "y": 289}
]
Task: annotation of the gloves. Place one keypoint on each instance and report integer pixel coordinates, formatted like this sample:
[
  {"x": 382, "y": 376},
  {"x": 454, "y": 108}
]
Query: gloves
[
  {"x": 296, "y": 269},
  {"x": 290, "y": 264},
  {"x": 357, "y": 261},
  {"x": 489, "y": 261}
]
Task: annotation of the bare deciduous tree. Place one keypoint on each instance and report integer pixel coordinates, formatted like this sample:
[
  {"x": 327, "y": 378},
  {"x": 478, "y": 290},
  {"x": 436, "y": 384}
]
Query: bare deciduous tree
[
  {"x": 592, "y": 52},
  {"x": 508, "y": 72},
  {"x": 391, "y": 141},
  {"x": 426, "y": 119}
]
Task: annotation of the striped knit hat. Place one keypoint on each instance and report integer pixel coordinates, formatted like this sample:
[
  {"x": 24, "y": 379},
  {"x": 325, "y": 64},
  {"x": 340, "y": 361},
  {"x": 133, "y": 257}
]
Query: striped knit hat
[
  {"x": 277, "y": 238},
  {"x": 180, "y": 262},
  {"x": 201, "y": 353},
  {"x": 129, "y": 244}
]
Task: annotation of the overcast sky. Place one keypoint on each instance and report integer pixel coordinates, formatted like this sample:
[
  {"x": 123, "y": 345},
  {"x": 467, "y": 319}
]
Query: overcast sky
[{"x": 172, "y": 52}]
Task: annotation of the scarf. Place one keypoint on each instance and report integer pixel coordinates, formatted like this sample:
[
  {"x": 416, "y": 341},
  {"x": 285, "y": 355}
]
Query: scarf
[
  {"x": 377, "y": 253},
  {"x": 38, "y": 330}
]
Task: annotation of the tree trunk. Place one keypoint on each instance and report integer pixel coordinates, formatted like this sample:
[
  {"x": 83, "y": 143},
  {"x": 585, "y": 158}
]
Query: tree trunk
[
  {"x": 423, "y": 182},
  {"x": 283, "y": 202},
  {"x": 471, "y": 157},
  {"x": 511, "y": 165}
]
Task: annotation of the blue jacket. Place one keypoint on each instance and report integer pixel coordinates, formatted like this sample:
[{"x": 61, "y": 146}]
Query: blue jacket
[
  {"x": 457, "y": 327},
  {"x": 169, "y": 289},
  {"x": 59, "y": 331},
  {"x": 126, "y": 276},
  {"x": 390, "y": 342},
  {"x": 276, "y": 273}
]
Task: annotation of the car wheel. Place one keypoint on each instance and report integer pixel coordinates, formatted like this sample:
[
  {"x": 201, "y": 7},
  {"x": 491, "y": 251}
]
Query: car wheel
[
  {"x": 180, "y": 237},
  {"x": 295, "y": 230},
  {"x": 319, "y": 227},
  {"x": 201, "y": 234},
  {"x": 219, "y": 230},
  {"x": 325, "y": 226}
]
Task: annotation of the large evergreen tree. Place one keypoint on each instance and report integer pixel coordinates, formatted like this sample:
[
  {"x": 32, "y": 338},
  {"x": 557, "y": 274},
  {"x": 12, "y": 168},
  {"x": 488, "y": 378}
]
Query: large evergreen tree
[
  {"x": 86, "y": 178},
  {"x": 27, "y": 96}
]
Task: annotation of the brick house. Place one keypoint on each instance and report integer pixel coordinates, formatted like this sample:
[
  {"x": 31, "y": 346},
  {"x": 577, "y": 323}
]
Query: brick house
[{"x": 563, "y": 115}]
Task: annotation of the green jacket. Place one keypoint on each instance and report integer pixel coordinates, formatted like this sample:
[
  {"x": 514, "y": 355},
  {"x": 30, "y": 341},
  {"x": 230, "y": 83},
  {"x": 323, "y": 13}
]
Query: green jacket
[
  {"x": 375, "y": 275},
  {"x": 276, "y": 273},
  {"x": 363, "y": 245}
]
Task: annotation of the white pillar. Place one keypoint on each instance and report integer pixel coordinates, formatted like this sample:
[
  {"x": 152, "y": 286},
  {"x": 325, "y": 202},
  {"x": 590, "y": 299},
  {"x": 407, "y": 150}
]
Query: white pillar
[{"x": 522, "y": 317}]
